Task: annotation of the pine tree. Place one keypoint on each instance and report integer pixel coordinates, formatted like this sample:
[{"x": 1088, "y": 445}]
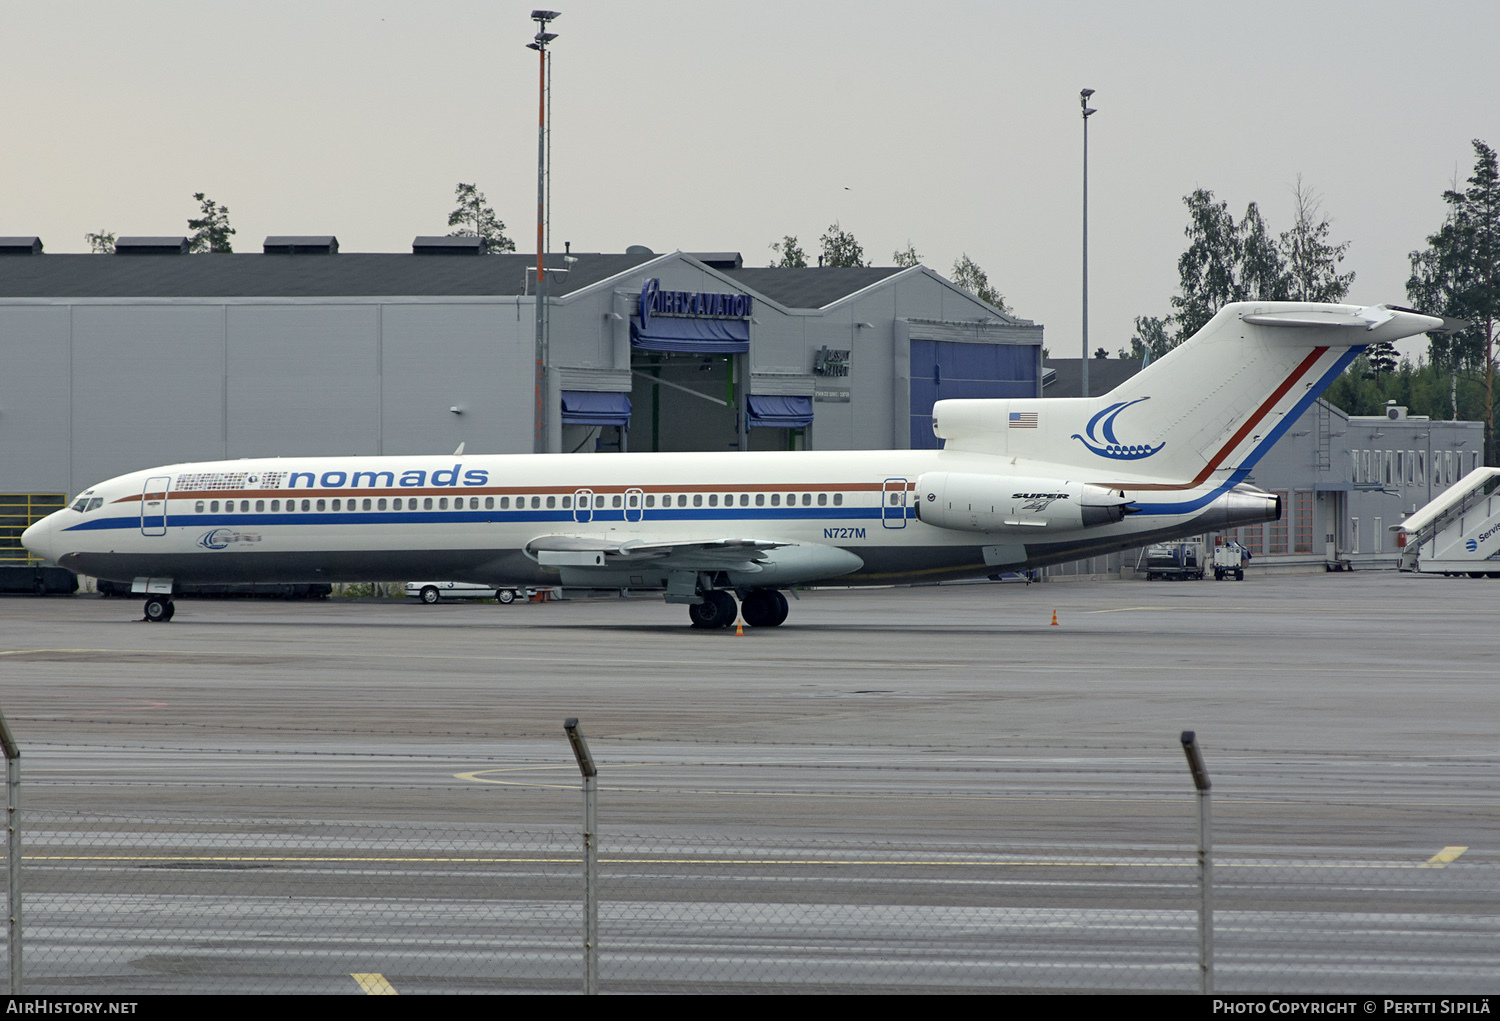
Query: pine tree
[
  {"x": 1455, "y": 276},
  {"x": 211, "y": 230},
  {"x": 475, "y": 219}
]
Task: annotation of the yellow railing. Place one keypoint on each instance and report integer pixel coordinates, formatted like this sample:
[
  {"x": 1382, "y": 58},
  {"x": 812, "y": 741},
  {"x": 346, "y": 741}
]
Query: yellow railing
[{"x": 17, "y": 513}]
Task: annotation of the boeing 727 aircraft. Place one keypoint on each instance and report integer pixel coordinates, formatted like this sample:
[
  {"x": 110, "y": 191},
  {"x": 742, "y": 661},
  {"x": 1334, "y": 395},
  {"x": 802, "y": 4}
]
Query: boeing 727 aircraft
[{"x": 1018, "y": 484}]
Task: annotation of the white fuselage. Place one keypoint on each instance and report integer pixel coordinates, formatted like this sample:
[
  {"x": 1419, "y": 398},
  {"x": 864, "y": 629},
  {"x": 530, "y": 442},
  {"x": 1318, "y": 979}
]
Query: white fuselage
[{"x": 472, "y": 517}]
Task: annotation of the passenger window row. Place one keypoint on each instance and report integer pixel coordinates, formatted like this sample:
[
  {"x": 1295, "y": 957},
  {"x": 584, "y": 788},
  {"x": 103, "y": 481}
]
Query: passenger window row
[{"x": 504, "y": 502}]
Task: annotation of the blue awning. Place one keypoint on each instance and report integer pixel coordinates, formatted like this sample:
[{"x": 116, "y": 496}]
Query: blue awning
[
  {"x": 589, "y": 407},
  {"x": 780, "y": 412},
  {"x": 696, "y": 336}
]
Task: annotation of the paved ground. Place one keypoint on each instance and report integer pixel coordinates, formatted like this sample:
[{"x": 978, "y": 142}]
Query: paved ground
[{"x": 1345, "y": 719}]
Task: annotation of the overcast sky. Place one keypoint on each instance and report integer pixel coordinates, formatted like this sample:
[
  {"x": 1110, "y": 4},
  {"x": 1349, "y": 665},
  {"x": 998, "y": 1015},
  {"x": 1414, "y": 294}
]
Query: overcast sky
[{"x": 710, "y": 125}]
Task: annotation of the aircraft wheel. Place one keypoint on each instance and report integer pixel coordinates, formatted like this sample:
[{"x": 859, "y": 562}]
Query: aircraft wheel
[
  {"x": 159, "y": 609},
  {"x": 716, "y": 610},
  {"x": 764, "y": 608},
  {"x": 1476, "y": 574},
  {"x": 782, "y": 609},
  {"x": 506, "y": 595},
  {"x": 430, "y": 595}
]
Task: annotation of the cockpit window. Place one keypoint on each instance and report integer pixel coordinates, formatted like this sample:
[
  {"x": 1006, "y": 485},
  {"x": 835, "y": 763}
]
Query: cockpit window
[
  {"x": 95, "y": 503},
  {"x": 80, "y": 503}
]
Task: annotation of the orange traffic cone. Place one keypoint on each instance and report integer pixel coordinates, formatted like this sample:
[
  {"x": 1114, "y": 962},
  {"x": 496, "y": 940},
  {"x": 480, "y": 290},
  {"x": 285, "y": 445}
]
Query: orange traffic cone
[
  {"x": 1054, "y": 618},
  {"x": 739, "y": 627}
]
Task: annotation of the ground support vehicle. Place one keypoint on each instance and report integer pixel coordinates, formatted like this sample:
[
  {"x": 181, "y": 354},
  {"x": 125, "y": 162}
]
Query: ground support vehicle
[
  {"x": 1458, "y": 533},
  {"x": 1178, "y": 561},
  {"x": 1229, "y": 560}
]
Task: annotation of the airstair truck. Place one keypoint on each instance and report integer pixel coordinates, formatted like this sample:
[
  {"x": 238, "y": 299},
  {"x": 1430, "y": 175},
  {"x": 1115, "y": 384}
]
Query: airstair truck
[{"x": 1458, "y": 533}]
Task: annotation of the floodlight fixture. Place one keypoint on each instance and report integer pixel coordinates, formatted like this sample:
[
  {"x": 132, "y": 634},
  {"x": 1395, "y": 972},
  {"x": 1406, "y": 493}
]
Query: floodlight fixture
[{"x": 545, "y": 16}]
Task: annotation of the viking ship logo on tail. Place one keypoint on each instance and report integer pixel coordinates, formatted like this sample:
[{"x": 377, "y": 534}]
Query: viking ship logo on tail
[{"x": 1101, "y": 437}]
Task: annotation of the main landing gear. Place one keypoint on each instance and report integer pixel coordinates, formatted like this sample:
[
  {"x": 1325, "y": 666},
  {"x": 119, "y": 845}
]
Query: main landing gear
[
  {"x": 159, "y": 609},
  {"x": 762, "y": 607}
]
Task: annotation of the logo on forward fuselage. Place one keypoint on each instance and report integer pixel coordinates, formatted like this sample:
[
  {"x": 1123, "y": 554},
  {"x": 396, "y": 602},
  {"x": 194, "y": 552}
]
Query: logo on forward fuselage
[
  {"x": 1101, "y": 438},
  {"x": 223, "y": 538}
]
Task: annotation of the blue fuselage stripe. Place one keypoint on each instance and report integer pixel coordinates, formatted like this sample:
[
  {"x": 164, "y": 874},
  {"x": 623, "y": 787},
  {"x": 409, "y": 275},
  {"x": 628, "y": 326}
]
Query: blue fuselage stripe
[{"x": 496, "y": 517}]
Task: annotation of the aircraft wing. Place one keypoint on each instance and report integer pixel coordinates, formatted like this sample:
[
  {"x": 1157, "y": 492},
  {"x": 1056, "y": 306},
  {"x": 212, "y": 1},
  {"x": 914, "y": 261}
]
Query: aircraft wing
[{"x": 685, "y": 554}]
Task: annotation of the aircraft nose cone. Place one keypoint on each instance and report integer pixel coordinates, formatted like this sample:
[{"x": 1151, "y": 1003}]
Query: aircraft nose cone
[{"x": 37, "y": 539}]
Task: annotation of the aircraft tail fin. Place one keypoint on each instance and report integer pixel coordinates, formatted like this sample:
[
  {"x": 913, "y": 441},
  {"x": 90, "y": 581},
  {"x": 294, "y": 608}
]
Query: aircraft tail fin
[{"x": 1208, "y": 409}]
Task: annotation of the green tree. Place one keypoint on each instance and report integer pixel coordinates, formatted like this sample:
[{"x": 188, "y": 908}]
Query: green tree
[
  {"x": 1227, "y": 261},
  {"x": 475, "y": 219},
  {"x": 789, "y": 254},
  {"x": 907, "y": 256},
  {"x": 102, "y": 243},
  {"x": 1311, "y": 262},
  {"x": 840, "y": 248},
  {"x": 1207, "y": 270},
  {"x": 211, "y": 230},
  {"x": 1455, "y": 276},
  {"x": 968, "y": 275}
]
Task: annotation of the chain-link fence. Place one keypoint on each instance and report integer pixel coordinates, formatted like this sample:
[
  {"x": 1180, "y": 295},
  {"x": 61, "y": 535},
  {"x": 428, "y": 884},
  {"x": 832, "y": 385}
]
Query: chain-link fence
[{"x": 141, "y": 901}]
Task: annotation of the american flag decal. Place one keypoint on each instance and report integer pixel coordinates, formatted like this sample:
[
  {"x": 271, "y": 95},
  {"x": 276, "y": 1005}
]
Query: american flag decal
[{"x": 1023, "y": 419}]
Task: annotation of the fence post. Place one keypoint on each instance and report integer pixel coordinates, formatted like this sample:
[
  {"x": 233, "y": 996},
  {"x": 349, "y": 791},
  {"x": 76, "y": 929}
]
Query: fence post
[
  {"x": 1205, "y": 863},
  {"x": 590, "y": 857},
  {"x": 13, "y": 841}
]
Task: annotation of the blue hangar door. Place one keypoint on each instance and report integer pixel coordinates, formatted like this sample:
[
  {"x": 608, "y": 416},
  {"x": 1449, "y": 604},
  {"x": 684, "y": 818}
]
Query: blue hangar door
[{"x": 943, "y": 369}]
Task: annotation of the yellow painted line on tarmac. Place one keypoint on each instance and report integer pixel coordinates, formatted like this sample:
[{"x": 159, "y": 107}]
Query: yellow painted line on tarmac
[
  {"x": 1443, "y": 857},
  {"x": 373, "y": 983}
]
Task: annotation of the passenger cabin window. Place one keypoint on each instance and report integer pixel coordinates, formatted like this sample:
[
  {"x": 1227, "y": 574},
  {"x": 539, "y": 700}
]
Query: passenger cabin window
[
  {"x": 197, "y": 507},
  {"x": 489, "y": 503},
  {"x": 838, "y": 499}
]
